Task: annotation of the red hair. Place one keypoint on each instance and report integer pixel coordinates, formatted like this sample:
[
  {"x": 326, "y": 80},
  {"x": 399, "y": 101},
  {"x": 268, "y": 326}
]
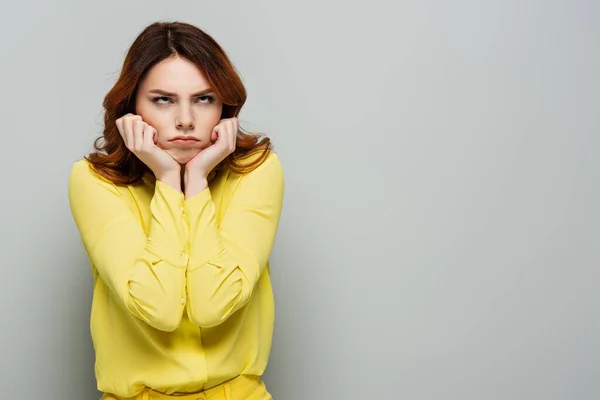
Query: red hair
[{"x": 157, "y": 42}]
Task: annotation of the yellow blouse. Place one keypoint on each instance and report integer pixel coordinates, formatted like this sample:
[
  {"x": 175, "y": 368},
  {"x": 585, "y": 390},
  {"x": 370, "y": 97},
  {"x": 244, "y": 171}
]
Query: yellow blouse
[{"x": 182, "y": 293}]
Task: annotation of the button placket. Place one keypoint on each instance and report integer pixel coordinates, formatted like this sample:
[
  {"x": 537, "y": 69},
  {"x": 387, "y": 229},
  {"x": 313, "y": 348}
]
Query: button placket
[{"x": 185, "y": 253}]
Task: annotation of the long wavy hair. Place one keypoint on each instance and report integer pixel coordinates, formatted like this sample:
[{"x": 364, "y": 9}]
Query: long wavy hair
[{"x": 157, "y": 42}]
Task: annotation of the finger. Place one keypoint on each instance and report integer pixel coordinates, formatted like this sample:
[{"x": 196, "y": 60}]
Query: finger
[
  {"x": 131, "y": 118},
  {"x": 148, "y": 137},
  {"x": 233, "y": 134},
  {"x": 236, "y": 127},
  {"x": 214, "y": 135},
  {"x": 119, "y": 124},
  {"x": 234, "y": 139},
  {"x": 227, "y": 134},
  {"x": 138, "y": 134},
  {"x": 154, "y": 135},
  {"x": 127, "y": 132}
]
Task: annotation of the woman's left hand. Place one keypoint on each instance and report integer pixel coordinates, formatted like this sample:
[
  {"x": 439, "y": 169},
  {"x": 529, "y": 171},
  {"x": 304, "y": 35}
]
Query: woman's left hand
[{"x": 224, "y": 137}]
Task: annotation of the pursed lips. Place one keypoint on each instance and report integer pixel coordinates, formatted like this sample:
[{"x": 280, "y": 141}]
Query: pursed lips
[{"x": 184, "y": 140}]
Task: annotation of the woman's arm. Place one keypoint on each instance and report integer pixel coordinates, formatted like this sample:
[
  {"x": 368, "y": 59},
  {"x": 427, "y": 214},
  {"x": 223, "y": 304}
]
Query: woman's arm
[
  {"x": 145, "y": 273},
  {"x": 226, "y": 261}
]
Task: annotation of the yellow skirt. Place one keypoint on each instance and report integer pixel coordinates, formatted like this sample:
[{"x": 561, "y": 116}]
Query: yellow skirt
[{"x": 244, "y": 387}]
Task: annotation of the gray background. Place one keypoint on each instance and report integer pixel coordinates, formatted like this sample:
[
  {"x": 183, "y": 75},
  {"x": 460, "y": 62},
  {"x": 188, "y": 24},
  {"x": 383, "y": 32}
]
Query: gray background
[{"x": 441, "y": 227}]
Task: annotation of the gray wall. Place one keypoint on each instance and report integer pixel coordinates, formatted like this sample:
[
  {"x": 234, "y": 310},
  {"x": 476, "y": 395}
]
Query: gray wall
[{"x": 440, "y": 238}]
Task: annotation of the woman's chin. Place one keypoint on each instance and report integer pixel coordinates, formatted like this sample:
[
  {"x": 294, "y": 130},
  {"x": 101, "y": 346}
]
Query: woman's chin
[{"x": 183, "y": 157}]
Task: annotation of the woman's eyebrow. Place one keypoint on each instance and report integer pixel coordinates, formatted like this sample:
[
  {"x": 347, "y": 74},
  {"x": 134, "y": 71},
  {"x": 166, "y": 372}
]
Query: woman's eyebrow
[{"x": 165, "y": 93}]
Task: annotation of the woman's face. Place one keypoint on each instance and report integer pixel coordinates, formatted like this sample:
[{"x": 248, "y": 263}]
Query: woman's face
[{"x": 176, "y": 99}]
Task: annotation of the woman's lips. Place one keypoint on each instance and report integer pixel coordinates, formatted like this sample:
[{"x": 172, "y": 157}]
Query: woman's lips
[{"x": 184, "y": 141}]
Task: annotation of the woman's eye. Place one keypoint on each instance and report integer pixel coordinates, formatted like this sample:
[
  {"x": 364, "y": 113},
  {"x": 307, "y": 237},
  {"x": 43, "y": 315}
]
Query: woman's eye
[
  {"x": 161, "y": 100},
  {"x": 206, "y": 99}
]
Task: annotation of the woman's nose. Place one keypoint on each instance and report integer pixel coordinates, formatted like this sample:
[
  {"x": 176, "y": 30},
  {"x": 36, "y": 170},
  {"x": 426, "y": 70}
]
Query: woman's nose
[{"x": 185, "y": 119}]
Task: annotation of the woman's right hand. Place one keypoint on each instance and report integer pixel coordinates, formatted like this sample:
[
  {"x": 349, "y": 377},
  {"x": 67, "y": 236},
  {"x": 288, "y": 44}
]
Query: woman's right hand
[{"x": 140, "y": 138}]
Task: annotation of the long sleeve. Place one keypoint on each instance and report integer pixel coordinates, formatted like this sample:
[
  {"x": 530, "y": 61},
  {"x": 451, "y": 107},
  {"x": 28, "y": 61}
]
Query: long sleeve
[
  {"x": 227, "y": 260},
  {"x": 145, "y": 273}
]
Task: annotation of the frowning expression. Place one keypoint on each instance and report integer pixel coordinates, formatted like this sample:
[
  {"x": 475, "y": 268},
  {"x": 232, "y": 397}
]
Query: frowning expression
[{"x": 176, "y": 98}]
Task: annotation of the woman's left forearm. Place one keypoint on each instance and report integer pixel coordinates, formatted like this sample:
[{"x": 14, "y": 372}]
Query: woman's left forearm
[{"x": 194, "y": 184}]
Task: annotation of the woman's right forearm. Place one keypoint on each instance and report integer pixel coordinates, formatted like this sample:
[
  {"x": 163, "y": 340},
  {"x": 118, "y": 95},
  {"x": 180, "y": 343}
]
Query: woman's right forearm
[
  {"x": 144, "y": 269},
  {"x": 153, "y": 292},
  {"x": 172, "y": 179},
  {"x": 156, "y": 286}
]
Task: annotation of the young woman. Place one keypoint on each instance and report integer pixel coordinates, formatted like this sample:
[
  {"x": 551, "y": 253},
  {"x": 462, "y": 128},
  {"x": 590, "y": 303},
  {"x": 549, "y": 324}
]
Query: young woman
[{"x": 177, "y": 211}]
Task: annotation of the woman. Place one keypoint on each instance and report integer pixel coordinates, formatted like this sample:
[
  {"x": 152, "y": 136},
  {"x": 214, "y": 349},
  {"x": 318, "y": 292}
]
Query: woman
[{"x": 177, "y": 211}]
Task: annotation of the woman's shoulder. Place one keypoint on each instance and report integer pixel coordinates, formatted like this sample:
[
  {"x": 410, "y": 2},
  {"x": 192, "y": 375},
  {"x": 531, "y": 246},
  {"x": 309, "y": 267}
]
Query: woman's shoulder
[
  {"x": 270, "y": 162},
  {"x": 268, "y": 177},
  {"x": 81, "y": 168},
  {"x": 83, "y": 172},
  {"x": 269, "y": 169}
]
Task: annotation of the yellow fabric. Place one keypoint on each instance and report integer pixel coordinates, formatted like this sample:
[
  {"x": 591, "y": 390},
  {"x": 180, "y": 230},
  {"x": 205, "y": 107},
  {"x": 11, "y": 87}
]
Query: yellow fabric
[
  {"x": 244, "y": 387},
  {"x": 182, "y": 293}
]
